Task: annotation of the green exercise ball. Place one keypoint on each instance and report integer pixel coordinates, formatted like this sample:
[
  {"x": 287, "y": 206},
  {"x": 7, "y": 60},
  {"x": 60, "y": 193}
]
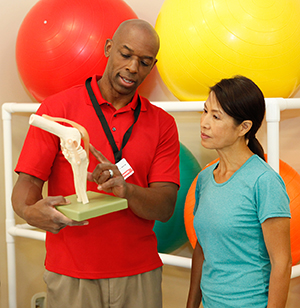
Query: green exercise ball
[{"x": 171, "y": 234}]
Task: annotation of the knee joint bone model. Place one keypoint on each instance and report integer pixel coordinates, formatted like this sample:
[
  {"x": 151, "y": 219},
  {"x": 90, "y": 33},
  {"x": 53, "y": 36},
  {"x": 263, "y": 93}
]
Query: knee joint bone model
[{"x": 70, "y": 141}]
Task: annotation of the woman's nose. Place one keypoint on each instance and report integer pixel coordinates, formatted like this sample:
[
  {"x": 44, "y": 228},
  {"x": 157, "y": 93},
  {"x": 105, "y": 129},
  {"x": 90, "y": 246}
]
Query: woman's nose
[{"x": 203, "y": 120}]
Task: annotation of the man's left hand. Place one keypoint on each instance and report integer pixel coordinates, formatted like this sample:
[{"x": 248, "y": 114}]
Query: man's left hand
[{"x": 107, "y": 175}]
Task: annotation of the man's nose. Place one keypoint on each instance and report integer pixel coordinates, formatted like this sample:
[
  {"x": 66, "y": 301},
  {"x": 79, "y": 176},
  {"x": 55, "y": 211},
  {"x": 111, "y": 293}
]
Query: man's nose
[{"x": 133, "y": 66}]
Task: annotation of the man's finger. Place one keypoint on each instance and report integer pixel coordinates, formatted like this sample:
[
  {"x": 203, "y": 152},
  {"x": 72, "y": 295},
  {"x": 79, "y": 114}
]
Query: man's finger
[
  {"x": 90, "y": 177},
  {"x": 74, "y": 223},
  {"x": 98, "y": 155}
]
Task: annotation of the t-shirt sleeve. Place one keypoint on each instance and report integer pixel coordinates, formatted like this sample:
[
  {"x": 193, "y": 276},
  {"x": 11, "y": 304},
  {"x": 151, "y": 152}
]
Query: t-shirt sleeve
[
  {"x": 39, "y": 150},
  {"x": 197, "y": 195},
  {"x": 165, "y": 166},
  {"x": 271, "y": 197}
]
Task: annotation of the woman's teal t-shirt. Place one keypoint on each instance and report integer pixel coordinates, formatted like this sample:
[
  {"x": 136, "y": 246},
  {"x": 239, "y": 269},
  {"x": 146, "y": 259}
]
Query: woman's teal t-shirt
[{"x": 227, "y": 222}]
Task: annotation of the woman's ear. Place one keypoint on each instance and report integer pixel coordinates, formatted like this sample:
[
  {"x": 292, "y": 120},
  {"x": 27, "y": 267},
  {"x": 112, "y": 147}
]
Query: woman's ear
[{"x": 245, "y": 127}]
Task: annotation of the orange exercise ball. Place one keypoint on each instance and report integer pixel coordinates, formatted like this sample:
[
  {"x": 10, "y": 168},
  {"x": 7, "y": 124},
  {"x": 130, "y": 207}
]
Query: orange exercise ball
[
  {"x": 60, "y": 43},
  {"x": 189, "y": 209},
  {"x": 292, "y": 182}
]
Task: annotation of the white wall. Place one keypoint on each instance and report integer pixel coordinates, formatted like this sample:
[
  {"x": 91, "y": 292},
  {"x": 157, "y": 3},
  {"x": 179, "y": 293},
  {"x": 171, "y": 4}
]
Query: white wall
[{"x": 30, "y": 253}]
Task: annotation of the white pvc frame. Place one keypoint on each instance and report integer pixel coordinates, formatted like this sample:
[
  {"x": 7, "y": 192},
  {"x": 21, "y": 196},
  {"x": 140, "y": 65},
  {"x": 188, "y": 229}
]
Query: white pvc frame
[{"x": 273, "y": 108}]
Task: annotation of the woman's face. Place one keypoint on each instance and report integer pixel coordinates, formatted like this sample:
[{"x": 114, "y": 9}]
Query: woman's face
[{"x": 218, "y": 129}]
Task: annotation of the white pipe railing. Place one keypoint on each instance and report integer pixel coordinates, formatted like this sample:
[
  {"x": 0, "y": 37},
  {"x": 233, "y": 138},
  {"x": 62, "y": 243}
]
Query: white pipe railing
[
  {"x": 19, "y": 230},
  {"x": 273, "y": 108}
]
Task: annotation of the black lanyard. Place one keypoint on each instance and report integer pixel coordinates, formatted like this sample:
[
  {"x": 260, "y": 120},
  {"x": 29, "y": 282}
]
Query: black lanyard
[{"x": 117, "y": 152}]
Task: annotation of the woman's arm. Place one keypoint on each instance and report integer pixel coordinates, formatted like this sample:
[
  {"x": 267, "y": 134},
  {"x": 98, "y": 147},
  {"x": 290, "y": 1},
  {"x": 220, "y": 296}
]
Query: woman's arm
[
  {"x": 276, "y": 233},
  {"x": 195, "y": 294}
]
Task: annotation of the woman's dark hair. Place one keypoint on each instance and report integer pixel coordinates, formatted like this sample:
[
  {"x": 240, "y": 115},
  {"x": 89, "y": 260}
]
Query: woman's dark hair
[{"x": 242, "y": 99}]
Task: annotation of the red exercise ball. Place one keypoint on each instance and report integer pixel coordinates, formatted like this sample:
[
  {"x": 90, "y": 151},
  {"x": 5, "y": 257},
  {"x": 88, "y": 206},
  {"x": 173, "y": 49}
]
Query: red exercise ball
[
  {"x": 292, "y": 182},
  {"x": 61, "y": 42}
]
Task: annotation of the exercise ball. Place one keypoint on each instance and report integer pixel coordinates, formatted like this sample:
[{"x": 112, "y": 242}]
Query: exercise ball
[
  {"x": 207, "y": 40},
  {"x": 189, "y": 209},
  {"x": 292, "y": 182},
  {"x": 61, "y": 42},
  {"x": 171, "y": 234}
]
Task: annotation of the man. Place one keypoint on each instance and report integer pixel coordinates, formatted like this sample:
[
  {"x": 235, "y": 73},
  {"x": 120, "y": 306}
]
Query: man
[{"x": 111, "y": 260}]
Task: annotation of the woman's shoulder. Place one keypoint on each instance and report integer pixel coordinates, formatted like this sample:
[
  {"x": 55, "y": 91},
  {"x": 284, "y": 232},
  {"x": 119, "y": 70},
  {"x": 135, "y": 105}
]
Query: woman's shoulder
[
  {"x": 256, "y": 164},
  {"x": 262, "y": 171}
]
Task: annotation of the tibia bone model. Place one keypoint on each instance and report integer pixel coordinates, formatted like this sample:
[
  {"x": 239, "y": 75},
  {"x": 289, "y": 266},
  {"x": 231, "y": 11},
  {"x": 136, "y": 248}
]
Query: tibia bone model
[{"x": 70, "y": 139}]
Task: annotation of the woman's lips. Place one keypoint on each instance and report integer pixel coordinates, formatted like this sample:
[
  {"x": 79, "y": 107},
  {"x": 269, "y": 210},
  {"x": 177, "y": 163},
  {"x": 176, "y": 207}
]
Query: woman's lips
[{"x": 204, "y": 136}]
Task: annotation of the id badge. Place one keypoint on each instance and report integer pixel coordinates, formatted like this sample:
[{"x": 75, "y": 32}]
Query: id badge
[{"x": 125, "y": 169}]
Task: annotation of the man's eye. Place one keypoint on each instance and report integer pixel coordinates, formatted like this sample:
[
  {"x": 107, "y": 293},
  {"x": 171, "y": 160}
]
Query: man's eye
[
  {"x": 125, "y": 55},
  {"x": 145, "y": 63}
]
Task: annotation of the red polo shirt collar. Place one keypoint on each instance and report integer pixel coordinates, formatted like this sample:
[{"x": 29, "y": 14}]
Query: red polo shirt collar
[{"x": 132, "y": 105}]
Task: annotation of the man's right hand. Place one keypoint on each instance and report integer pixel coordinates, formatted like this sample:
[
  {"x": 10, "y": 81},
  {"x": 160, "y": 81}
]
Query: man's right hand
[
  {"x": 29, "y": 204},
  {"x": 45, "y": 216}
]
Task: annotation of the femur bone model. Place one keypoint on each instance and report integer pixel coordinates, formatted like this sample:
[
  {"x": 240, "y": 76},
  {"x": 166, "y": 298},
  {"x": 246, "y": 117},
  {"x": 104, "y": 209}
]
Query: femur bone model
[{"x": 70, "y": 142}]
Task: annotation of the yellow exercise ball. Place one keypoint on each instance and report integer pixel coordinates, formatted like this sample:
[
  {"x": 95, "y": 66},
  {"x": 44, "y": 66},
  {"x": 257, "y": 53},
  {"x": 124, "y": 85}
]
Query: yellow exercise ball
[{"x": 203, "y": 41}]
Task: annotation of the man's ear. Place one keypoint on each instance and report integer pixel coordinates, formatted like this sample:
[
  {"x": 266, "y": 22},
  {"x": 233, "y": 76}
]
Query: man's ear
[
  {"x": 154, "y": 63},
  {"x": 245, "y": 127},
  {"x": 107, "y": 47}
]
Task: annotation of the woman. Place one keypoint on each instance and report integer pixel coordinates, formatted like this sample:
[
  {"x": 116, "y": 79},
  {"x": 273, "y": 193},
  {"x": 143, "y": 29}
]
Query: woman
[{"x": 242, "y": 257}]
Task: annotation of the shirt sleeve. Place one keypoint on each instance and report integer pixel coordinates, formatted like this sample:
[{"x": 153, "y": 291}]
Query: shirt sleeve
[
  {"x": 165, "y": 166},
  {"x": 39, "y": 150},
  {"x": 271, "y": 197},
  {"x": 197, "y": 195}
]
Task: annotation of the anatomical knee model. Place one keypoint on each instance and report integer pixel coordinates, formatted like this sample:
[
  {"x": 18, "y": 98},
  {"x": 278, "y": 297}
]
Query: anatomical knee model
[{"x": 70, "y": 141}]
